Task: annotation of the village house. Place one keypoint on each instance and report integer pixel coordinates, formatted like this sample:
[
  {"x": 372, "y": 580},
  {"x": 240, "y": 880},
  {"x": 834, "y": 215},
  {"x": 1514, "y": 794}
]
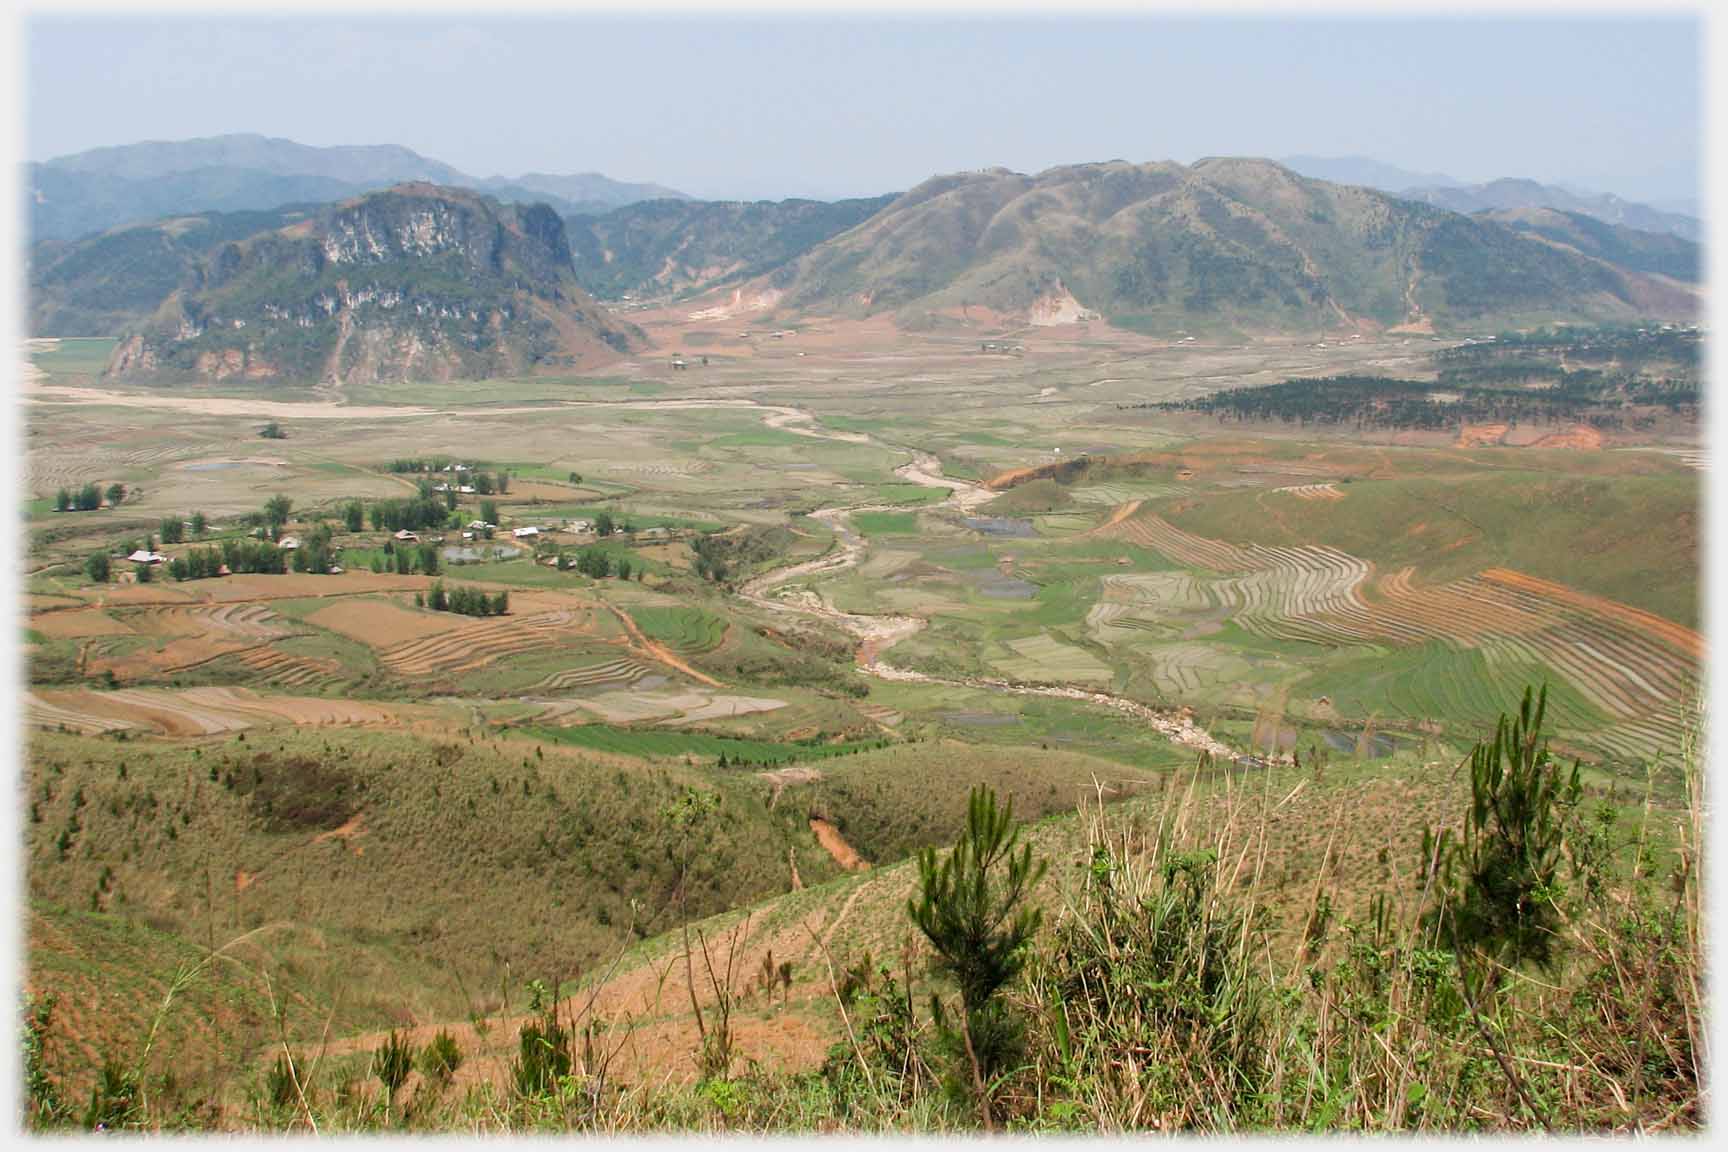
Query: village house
[
  {"x": 404, "y": 534},
  {"x": 521, "y": 533},
  {"x": 143, "y": 557},
  {"x": 288, "y": 543}
]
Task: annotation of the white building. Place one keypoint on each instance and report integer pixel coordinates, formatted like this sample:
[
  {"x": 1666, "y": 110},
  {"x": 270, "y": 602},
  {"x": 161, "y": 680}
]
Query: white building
[{"x": 520, "y": 533}]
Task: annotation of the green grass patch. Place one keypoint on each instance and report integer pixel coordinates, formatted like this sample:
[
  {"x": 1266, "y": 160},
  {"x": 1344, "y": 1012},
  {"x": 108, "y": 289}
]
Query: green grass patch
[{"x": 649, "y": 743}]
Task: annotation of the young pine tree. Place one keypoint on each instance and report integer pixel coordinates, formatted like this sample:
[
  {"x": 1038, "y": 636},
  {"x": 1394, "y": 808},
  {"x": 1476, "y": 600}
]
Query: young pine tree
[{"x": 971, "y": 908}]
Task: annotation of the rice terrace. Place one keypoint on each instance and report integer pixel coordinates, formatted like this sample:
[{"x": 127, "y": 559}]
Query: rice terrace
[{"x": 1208, "y": 647}]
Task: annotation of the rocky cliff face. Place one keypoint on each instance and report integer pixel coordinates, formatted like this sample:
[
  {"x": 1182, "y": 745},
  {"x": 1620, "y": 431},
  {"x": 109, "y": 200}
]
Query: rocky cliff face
[{"x": 417, "y": 282}]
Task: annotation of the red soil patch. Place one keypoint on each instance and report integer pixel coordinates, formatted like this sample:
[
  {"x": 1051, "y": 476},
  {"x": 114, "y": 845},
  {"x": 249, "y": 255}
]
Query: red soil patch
[
  {"x": 1014, "y": 476},
  {"x": 835, "y": 845},
  {"x": 1481, "y": 435},
  {"x": 1579, "y": 436}
]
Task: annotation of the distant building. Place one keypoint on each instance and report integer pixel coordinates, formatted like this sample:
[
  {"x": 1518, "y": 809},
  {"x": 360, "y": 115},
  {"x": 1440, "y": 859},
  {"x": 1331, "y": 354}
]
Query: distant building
[
  {"x": 404, "y": 534},
  {"x": 143, "y": 557},
  {"x": 520, "y": 533},
  {"x": 288, "y": 543}
]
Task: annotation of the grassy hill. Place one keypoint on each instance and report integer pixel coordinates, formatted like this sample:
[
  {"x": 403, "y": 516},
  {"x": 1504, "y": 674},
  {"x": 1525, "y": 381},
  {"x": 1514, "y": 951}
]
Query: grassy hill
[{"x": 1225, "y": 242}]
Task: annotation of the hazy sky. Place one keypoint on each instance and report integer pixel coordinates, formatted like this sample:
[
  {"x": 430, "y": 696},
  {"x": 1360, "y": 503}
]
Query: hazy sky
[{"x": 774, "y": 107}]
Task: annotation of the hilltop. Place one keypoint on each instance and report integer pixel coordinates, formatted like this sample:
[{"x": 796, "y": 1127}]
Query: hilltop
[
  {"x": 420, "y": 280},
  {"x": 1240, "y": 244}
]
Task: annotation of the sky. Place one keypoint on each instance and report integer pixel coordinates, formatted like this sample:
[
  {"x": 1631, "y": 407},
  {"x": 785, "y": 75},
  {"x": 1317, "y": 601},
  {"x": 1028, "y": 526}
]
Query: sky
[{"x": 770, "y": 107}]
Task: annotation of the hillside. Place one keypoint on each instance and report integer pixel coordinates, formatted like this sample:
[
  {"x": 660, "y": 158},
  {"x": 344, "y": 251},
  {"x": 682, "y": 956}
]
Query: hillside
[
  {"x": 662, "y": 246},
  {"x": 1655, "y": 252},
  {"x": 1222, "y": 244},
  {"x": 103, "y": 284},
  {"x": 103, "y": 188},
  {"x": 417, "y": 281}
]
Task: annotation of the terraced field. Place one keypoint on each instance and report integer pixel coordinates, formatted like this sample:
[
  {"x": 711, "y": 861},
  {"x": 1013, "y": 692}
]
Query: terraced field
[
  {"x": 684, "y": 628},
  {"x": 1631, "y": 673},
  {"x": 191, "y": 711},
  {"x": 1045, "y": 659},
  {"x": 474, "y": 644}
]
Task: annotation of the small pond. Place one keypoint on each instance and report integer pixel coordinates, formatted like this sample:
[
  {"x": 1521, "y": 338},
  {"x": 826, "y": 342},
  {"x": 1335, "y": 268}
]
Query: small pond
[
  {"x": 999, "y": 587},
  {"x": 479, "y": 553},
  {"x": 1007, "y": 526}
]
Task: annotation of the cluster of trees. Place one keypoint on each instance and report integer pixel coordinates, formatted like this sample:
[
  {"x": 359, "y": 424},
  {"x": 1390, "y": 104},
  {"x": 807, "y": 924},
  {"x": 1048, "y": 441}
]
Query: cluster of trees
[
  {"x": 87, "y": 497},
  {"x": 598, "y": 564},
  {"x": 1380, "y": 402},
  {"x": 173, "y": 529},
  {"x": 410, "y": 515},
  {"x": 240, "y": 555},
  {"x": 422, "y": 558},
  {"x": 484, "y": 483},
  {"x": 419, "y": 464},
  {"x": 273, "y": 431},
  {"x": 1677, "y": 349},
  {"x": 315, "y": 553},
  {"x": 722, "y": 555},
  {"x": 1596, "y": 376},
  {"x": 463, "y": 601}
]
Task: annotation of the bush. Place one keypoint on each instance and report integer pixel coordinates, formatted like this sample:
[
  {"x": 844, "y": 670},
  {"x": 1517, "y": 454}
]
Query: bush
[{"x": 440, "y": 1059}]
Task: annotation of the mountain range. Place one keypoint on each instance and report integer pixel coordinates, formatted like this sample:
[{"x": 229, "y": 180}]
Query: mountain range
[
  {"x": 434, "y": 280},
  {"x": 74, "y": 196},
  {"x": 1496, "y": 195}
]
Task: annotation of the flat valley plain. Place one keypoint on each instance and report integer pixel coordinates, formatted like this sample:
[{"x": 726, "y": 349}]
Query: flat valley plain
[{"x": 866, "y": 574}]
